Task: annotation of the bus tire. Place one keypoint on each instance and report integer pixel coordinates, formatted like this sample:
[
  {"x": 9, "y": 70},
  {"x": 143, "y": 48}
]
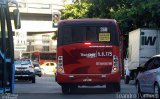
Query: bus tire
[
  {"x": 65, "y": 89},
  {"x": 117, "y": 87},
  {"x": 127, "y": 80},
  {"x": 73, "y": 87},
  {"x": 113, "y": 87}
]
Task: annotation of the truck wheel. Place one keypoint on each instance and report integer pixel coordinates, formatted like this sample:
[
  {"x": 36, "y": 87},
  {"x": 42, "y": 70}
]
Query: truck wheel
[
  {"x": 34, "y": 79},
  {"x": 127, "y": 80},
  {"x": 65, "y": 89}
]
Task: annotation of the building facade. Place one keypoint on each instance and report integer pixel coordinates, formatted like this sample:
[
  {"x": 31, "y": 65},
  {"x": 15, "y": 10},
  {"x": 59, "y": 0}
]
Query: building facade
[{"x": 36, "y": 25}]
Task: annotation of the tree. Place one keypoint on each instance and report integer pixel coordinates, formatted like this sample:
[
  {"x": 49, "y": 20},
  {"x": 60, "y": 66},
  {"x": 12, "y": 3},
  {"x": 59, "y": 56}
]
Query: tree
[
  {"x": 54, "y": 37},
  {"x": 137, "y": 14},
  {"x": 142, "y": 13},
  {"x": 75, "y": 11}
]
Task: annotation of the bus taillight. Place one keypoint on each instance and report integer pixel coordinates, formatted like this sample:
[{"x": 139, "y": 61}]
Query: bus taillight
[
  {"x": 60, "y": 60},
  {"x": 60, "y": 64},
  {"x": 115, "y": 69},
  {"x": 115, "y": 64}
]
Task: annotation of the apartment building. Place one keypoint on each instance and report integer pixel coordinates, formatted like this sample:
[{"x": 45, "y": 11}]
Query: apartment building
[{"x": 36, "y": 25}]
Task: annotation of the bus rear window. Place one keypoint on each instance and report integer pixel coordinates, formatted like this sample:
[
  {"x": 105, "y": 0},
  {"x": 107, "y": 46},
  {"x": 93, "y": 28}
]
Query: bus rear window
[
  {"x": 47, "y": 56},
  {"x": 75, "y": 34}
]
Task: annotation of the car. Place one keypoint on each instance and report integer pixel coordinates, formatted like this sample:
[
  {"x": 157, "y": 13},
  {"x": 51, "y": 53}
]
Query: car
[
  {"x": 148, "y": 78},
  {"x": 49, "y": 67},
  {"x": 37, "y": 69},
  {"x": 24, "y": 70}
]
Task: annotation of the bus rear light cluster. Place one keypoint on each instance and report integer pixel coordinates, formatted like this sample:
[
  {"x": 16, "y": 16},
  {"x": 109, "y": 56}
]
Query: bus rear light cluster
[
  {"x": 60, "y": 68},
  {"x": 60, "y": 60},
  {"x": 115, "y": 64}
]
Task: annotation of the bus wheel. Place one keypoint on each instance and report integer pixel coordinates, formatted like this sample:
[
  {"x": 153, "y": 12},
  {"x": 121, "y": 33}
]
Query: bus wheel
[
  {"x": 73, "y": 88},
  {"x": 117, "y": 87},
  {"x": 65, "y": 89},
  {"x": 114, "y": 87}
]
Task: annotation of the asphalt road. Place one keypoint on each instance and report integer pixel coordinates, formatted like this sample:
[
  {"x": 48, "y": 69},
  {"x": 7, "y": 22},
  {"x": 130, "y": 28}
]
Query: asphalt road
[{"x": 46, "y": 88}]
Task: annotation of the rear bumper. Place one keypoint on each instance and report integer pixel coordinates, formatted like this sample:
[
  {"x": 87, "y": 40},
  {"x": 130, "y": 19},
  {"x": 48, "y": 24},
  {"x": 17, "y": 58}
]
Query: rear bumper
[
  {"x": 87, "y": 79},
  {"x": 24, "y": 74}
]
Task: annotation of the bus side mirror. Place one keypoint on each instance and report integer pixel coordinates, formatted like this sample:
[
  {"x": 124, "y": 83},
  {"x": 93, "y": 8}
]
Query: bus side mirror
[{"x": 17, "y": 19}]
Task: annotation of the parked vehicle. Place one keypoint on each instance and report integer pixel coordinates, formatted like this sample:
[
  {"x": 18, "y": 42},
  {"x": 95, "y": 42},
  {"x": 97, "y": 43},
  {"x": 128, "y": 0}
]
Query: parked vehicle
[
  {"x": 38, "y": 70},
  {"x": 143, "y": 44},
  {"x": 148, "y": 79},
  {"x": 48, "y": 67},
  {"x": 24, "y": 70},
  {"x": 89, "y": 52}
]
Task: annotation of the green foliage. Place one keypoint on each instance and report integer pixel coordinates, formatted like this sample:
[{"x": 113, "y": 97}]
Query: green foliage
[
  {"x": 76, "y": 11},
  {"x": 130, "y": 14},
  {"x": 54, "y": 37},
  {"x": 142, "y": 13}
]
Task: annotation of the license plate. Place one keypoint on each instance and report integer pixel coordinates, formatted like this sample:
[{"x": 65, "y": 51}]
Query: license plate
[{"x": 87, "y": 80}]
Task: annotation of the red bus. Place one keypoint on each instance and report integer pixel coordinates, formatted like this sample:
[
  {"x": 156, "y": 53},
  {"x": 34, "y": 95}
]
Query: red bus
[
  {"x": 42, "y": 57},
  {"x": 88, "y": 53}
]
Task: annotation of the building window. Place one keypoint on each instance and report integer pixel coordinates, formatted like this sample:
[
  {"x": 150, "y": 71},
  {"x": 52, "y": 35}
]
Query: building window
[
  {"x": 30, "y": 48},
  {"x": 45, "y": 39},
  {"x": 45, "y": 48}
]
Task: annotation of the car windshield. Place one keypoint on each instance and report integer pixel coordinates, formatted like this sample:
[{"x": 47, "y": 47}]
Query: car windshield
[
  {"x": 36, "y": 65},
  {"x": 25, "y": 62},
  {"x": 18, "y": 62}
]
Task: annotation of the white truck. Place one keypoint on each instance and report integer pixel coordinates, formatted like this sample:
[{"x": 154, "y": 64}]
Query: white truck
[{"x": 143, "y": 44}]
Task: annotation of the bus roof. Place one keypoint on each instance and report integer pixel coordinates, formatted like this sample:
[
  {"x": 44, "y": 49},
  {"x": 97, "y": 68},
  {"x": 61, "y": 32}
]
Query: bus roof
[{"x": 86, "y": 21}]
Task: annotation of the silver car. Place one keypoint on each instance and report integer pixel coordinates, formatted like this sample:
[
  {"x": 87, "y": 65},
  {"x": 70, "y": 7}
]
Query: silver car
[
  {"x": 148, "y": 79},
  {"x": 24, "y": 70}
]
